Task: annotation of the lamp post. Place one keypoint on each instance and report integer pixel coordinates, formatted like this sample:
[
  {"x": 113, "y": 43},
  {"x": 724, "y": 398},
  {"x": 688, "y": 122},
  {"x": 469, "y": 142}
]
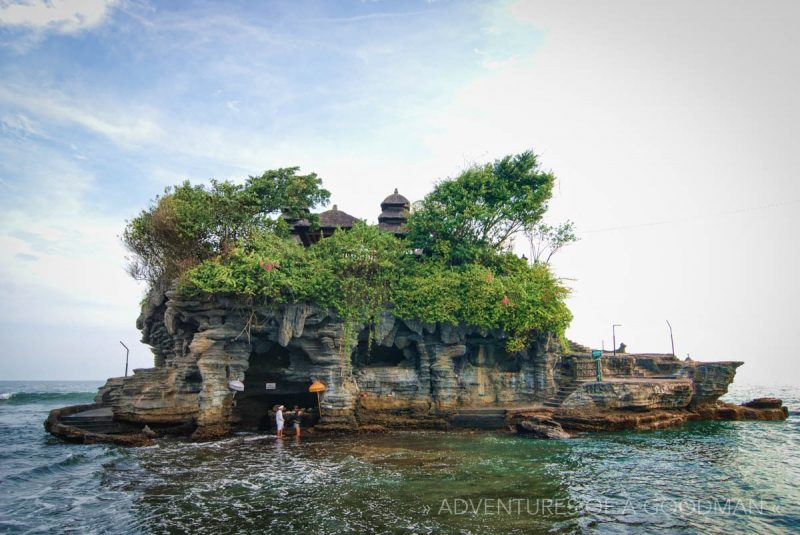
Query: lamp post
[
  {"x": 127, "y": 353},
  {"x": 614, "y": 336},
  {"x": 671, "y": 339}
]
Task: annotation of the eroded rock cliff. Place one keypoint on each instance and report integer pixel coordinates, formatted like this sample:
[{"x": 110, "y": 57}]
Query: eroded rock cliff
[
  {"x": 410, "y": 374},
  {"x": 402, "y": 374}
]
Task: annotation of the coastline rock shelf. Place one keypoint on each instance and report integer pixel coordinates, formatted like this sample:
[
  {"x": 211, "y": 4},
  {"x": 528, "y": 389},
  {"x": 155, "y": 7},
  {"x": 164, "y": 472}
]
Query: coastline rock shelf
[{"x": 411, "y": 375}]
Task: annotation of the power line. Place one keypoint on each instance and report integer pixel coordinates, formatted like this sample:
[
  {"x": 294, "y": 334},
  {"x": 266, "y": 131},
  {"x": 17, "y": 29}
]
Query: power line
[{"x": 694, "y": 218}]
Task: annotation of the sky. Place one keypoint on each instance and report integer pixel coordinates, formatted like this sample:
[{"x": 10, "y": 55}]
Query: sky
[{"x": 671, "y": 128}]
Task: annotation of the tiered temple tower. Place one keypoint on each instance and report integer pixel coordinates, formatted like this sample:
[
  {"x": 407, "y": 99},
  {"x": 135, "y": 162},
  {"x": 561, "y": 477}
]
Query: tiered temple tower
[{"x": 394, "y": 214}]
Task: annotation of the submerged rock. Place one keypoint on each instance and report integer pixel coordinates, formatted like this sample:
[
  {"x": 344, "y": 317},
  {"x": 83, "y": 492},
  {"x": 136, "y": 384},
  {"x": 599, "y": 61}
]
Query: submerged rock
[
  {"x": 764, "y": 403},
  {"x": 547, "y": 429},
  {"x": 729, "y": 411}
]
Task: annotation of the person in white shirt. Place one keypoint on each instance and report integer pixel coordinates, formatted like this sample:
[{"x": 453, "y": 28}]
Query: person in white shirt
[{"x": 279, "y": 420}]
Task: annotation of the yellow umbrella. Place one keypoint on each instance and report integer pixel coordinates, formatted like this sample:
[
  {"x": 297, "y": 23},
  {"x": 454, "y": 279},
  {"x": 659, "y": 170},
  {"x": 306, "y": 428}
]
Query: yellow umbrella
[{"x": 317, "y": 387}]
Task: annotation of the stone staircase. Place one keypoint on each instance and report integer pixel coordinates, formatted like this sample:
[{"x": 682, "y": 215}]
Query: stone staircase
[
  {"x": 563, "y": 393},
  {"x": 566, "y": 380},
  {"x": 99, "y": 421},
  {"x": 479, "y": 418}
]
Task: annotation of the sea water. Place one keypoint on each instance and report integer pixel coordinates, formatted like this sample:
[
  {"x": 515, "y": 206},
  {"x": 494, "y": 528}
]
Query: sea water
[{"x": 718, "y": 477}]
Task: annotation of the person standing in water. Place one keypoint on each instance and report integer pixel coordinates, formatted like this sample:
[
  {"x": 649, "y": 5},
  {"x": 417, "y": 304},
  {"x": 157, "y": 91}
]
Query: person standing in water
[
  {"x": 297, "y": 419},
  {"x": 279, "y": 420}
]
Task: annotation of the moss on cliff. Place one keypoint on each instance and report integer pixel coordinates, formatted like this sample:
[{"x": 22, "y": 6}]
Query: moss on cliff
[
  {"x": 360, "y": 272},
  {"x": 454, "y": 265}
]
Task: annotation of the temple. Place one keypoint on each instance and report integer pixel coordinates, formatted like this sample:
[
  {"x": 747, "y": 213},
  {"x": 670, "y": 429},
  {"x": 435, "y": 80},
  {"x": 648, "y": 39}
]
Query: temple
[
  {"x": 222, "y": 363},
  {"x": 393, "y": 218},
  {"x": 394, "y": 214}
]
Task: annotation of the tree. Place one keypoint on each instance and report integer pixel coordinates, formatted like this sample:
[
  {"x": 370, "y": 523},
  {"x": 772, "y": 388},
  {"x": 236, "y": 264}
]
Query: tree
[
  {"x": 545, "y": 241},
  {"x": 478, "y": 213},
  {"x": 191, "y": 223}
]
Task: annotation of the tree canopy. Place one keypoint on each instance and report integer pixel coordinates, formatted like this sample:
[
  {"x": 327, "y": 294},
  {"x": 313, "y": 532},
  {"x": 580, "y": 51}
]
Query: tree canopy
[
  {"x": 454, "y": 266},
  {"x": 191, "y": 223},
  {"x": 546, "y": 240},
  {"x": 360, "y": 272},
  {"x": 475, "y": 215}
]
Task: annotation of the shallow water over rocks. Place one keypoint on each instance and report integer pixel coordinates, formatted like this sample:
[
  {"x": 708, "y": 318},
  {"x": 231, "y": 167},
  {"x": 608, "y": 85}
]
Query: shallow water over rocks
[{"x": 705, "y": 476}]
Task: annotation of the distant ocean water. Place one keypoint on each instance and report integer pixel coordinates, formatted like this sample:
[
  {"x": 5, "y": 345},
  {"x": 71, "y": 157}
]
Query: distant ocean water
[{"x": 718, "y": 477}]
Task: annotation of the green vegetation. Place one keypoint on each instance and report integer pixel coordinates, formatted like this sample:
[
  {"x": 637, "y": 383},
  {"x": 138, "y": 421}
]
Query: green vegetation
[
  {"x": 474, "y": 216},
  {"x": 546, "y": 240},
  {"x": 190, "y": 224},
  {"x": 454, "y": 269}
]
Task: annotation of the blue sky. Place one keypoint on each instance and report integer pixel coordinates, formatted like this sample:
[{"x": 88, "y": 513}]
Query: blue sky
[{"x": 681, "y": 115}]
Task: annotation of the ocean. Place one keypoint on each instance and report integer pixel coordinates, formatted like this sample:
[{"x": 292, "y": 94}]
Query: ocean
[{"x": 704, "y": 477}]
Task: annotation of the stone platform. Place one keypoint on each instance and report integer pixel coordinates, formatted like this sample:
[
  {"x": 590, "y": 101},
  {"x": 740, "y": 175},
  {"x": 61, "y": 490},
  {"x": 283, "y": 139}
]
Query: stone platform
[
  {"x": 94, "y": 424},
  {"x": 563, "y": 422}
]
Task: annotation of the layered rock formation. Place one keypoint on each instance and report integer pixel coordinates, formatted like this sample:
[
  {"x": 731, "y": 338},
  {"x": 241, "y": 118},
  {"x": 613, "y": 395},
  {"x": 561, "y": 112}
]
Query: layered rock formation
[
  {"x": 404, "y": 374},
  {"x": 412, "y": 373},
  {"x": 632, "y": 394},
  {"x": 563, "y": 422}
]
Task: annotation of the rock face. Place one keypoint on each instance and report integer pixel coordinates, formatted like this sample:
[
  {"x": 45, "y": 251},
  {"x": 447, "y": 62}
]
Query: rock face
[
  {"x": 632, "y": 394},
  {"x": 710, "y": 379},
  {"x": 541, "y": 425},
  {"x": 764, "y": 403},
  {"x": 642, "y": 382},
  {"x": 411, "y": 374}
]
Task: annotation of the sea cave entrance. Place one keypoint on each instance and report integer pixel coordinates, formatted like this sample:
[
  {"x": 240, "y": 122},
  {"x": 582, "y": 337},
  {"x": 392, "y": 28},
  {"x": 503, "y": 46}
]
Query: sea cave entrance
[
  {"x": 375, "y": 355},
  {"x": 274, "y": 377}
]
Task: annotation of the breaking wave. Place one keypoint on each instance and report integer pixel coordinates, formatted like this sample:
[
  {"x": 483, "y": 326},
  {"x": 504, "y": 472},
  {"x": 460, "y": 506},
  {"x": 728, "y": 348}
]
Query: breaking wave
[{"x": 38, "y": 397}]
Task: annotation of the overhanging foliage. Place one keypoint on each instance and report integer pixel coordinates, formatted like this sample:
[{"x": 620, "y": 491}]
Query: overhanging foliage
[{"x": 455, "y": 265}]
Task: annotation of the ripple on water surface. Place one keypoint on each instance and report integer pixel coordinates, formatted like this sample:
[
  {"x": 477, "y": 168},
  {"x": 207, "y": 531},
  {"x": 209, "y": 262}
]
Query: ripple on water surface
[{"x": 407, "y": 482}]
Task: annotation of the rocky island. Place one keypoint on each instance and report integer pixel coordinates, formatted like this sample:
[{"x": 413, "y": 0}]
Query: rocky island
[{"x": 426, "y": 320}]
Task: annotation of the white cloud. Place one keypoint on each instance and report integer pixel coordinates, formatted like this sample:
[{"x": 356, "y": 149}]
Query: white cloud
[
  {"x": 19, "y": 124},
  {"x": 63, "y": 16},
  {"x": 62, "y": 261},
  {"x": 122, "y": 125}
]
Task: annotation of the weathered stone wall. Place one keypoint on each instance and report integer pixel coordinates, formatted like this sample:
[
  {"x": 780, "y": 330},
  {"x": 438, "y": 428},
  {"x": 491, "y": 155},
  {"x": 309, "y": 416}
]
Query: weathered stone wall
[
  {"x": 644, "y": 381},
  {"x": 632, "y": 394},
  {"x": 710, "y": 380},
  {"x": 413, "y": 372}
]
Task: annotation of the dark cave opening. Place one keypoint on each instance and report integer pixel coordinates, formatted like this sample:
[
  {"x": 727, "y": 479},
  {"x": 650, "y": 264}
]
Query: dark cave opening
[
  {"x": 490, "y": 355},
  {"x": 377, "y": 355},
  {"x": 256, "y": 410},
  {"x": 271, "y": 365}
]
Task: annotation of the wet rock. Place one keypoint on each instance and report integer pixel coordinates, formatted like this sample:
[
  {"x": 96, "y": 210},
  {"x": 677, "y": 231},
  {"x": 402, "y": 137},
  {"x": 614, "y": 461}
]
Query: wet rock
[
  {"x": 58, "y": 423},
  {"x": 594, "y": 421},
  {"x": 729, "y": 411},
  {"x": 764, "y": 403},
  {"x": 547, "y": 429}
]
